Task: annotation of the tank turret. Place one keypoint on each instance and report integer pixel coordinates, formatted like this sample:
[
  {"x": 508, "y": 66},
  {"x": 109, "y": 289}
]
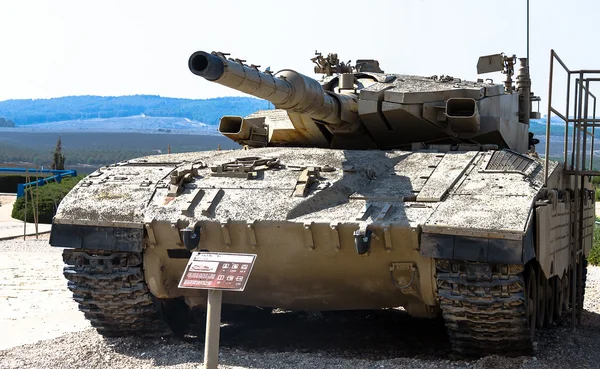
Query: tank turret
[
  {"x": 361, "y": 107},
  {"x": 305, "y": 100}
]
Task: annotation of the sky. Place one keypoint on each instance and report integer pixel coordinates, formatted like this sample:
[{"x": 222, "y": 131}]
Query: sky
[{"x": 110, "y": 48}]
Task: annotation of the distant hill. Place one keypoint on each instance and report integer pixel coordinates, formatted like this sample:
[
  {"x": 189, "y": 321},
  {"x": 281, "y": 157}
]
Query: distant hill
[
  {"x": 148, "y": 113},
  {"x": 138, "y": 123},
  {"x": 538, "y": 126},
  {"x": 72, "y": 108}
]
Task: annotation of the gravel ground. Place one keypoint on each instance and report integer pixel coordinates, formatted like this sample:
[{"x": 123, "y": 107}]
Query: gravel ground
[
  {"x": 258, "y": 339},
  {"x": 35, "y": 303}
]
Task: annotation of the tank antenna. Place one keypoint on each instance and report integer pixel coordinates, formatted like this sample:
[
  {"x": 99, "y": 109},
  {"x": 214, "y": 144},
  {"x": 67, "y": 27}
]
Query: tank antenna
[{"x": 527, "y": 32}]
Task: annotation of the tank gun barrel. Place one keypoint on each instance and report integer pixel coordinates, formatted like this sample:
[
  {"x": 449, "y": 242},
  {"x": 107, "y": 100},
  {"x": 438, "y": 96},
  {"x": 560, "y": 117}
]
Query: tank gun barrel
[{"x": 287, "y": 89}]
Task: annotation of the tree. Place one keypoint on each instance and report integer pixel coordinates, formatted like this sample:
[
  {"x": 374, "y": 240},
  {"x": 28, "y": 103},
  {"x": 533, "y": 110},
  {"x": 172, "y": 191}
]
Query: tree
[
  {"x": 58, "y": 160},
  {"x": 6, "y": 123}
]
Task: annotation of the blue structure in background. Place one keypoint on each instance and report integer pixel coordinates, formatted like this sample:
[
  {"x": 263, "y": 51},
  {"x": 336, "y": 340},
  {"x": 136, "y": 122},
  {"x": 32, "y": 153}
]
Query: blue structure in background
[{"x": 57, "y": 175}]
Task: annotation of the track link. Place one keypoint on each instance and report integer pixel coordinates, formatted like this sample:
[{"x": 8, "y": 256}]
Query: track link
[
  {"x": 110, "y": 290},
  {"x": 484, "y": 308}
]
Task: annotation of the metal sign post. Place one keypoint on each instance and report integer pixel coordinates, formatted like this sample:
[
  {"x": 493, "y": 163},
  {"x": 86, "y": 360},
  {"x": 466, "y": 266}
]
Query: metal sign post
[
  {"x": 215, "y": 272},
  {"x": 213, "y": 329}
]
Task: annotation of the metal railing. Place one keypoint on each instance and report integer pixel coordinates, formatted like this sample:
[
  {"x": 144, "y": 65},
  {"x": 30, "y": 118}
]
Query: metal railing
[
  {"x": 55, "y": 175},
  {"x": 579, "y": 124}
]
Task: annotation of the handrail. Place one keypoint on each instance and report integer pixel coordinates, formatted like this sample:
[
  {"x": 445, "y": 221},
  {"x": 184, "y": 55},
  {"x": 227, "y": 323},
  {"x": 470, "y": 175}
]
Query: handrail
[
  {"x": 57, "y": 175},
  {"x": 21, "y": 187},
  {"x": 581, "y": 122}
]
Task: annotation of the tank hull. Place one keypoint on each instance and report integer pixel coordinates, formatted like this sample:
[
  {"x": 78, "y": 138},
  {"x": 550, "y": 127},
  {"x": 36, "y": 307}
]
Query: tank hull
[
  {"x": 464, "y": 234},
  {"x": 416, "y": 206}
]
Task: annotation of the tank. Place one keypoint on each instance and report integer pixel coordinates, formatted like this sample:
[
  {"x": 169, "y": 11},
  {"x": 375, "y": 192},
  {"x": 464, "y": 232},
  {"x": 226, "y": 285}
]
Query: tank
[{"x": 361, "y": 189}]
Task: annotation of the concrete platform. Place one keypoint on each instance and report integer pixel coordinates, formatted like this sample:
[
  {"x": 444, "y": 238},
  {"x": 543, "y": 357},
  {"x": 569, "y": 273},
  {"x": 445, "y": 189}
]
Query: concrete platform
[
  {"x": 12, "y": 228},
  {"x": 6, "y": 205}
]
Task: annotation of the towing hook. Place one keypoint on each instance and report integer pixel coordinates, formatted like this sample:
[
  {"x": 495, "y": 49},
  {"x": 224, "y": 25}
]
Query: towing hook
[
  {"x": 191, "y": 236},
  {"x": 362, "y": 241}
]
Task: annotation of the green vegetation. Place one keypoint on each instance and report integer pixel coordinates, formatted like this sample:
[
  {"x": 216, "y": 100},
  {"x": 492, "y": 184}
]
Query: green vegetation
[
  {"x": 596, "y": 183},
  {"x": 95, "y": 156},
  {"x": 9, "y": 182},
  {"x": 48, "y": 198},
  {"x": 95, "y": 149},
  {"x": 594, "y": 256},
  {"x": 58, "y": 159}
]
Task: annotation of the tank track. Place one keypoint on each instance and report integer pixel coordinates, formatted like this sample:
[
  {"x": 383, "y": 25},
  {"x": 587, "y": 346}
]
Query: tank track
[
  {"x": 111, "y": 292},
  {"x": 484, "y": 308},
  {"x": 581, "y": 289}
]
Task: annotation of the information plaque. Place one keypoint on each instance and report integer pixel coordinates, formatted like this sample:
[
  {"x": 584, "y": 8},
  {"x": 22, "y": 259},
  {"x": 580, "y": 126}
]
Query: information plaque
[{"x": 217, "y": 271}]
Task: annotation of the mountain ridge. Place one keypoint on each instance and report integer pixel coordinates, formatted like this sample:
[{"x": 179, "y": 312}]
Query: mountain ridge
[
  {"x": 117, "y": 112},
  {"x": 69, "y": 108}
]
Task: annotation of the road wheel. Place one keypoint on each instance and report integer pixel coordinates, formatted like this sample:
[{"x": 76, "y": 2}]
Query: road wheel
[
  {"x": 558, "y": 297},
  {"x": 566, "y": 285},
  {"x": 541, "y": 300},
  {"x": 531, "y": 298},
  {"x": 581, "y": 279},
  {"x": 550, "y": 292}
]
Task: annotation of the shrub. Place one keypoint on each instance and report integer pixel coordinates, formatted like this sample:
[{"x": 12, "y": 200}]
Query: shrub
[
  {"x": 596, "y": 183},
  {"x": 9, "y": 182},
  {"x": 594, "y": 256},
  {"x": 49, "y": 196}
]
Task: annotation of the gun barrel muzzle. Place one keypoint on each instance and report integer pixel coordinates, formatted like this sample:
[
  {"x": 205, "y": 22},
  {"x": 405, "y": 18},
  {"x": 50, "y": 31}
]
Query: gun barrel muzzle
[
  {"x": 206, "y": 65},
  {"x": 287, "y": 89}
]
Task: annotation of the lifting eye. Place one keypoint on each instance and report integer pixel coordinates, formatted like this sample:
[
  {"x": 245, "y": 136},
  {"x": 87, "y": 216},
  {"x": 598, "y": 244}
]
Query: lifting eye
[
  {"x": 362, "y": 241},
  {"x": 191, "y": 236}
]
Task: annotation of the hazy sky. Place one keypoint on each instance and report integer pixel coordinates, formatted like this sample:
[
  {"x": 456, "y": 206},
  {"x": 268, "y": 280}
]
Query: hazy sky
[{"x": 59, "y": 48}]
